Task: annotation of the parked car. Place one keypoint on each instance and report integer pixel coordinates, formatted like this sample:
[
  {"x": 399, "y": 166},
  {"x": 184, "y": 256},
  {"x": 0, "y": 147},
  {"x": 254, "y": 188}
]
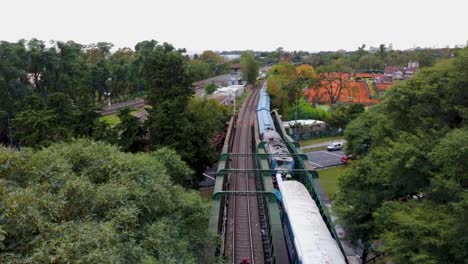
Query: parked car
[{"x": 335, "y": 146}]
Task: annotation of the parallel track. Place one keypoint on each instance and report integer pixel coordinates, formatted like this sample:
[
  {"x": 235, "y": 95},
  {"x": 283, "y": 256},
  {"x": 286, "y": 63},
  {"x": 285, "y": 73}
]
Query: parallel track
[{"x": 243, "y": 238}]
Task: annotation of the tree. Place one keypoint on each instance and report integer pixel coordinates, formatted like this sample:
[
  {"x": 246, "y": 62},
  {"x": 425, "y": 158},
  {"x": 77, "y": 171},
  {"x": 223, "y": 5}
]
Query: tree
[
  {"x": 169, "y": 87},
  {"x": 211, "y": 57},
  {"x": 36, "y": 128},
  {"x": 123, "y": 82},
  {"x": 422, "y": 232},
  {"x": 199, "y": 70},
  {"x": 175, "y": 120},
  {"x": 207, "y": 120},
  {"x": 286, "y": 84},
  {"x": 206, "y": 65},
  {"x": 130, "y": 131},
  {"x": 331, "y": 83},
  {"x": 279, "y": 81},
  {"x": 414, "y": 181},
  {"x": 177, "y": 169},
  {"x": 210, "y": 88},
  {"x": 342, "y": 114},
  {"x": 370, "y": 63},
  {"x": 249, "y": 67},
  {"x": 87, "y": 202}
]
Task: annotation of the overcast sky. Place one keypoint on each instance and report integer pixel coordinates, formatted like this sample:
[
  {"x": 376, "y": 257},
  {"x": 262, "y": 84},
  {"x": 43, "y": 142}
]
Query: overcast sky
[{"x": 197, "y": 25}]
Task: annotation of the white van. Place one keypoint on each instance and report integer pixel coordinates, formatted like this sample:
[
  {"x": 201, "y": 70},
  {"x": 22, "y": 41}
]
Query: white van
[{"x": 335, "y": 146}]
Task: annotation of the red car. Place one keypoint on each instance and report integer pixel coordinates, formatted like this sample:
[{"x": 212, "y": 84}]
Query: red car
[{"x": 346, "y": 159}]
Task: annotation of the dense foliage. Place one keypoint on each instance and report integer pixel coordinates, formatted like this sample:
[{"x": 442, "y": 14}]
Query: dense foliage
[
  {"x": 286, "y": 84},
  {"x": 408, "y": 189},
  {"x": 249, "y": 67},
  {"x": 53, "y": 94},
  {"x": 86, "y": 202},
  {"x": 307, "y": 111},
  {"x": 342, "y": 114},
  {"x": 177, "y": 120},
  {"x": 206, "y": 65},
  {"x": 362, "y": 59},
  {"x": 210, "y": 88}
]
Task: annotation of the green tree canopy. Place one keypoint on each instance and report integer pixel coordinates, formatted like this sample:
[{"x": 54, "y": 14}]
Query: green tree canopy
[
  {"x": 408, "y": 188},
  {"x": 130, "y": 131},
  {"x": 210, "y": 88},
  {"x": 286, "y": 84},
  {"x": 249, "y": 67},
  {"x": 342, "y": 114},
  {"x": 176, "y": 120},
  {"x": 86, "y": 202}
]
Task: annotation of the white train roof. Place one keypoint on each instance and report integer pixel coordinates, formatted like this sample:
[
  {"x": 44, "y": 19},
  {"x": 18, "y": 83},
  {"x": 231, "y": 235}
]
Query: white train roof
[{"x": 312, "y": 238}]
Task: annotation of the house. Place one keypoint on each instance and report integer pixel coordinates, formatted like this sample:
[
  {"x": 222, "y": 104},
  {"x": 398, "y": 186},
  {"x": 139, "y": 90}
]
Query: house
[
  {"x": 411, "y": 69},
  {"x": 392, "y": 73},
  {"x": 236, "y": 69}
]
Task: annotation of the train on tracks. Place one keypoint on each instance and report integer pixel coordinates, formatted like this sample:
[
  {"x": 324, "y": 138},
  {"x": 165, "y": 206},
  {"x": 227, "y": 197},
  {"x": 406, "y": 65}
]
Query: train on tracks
[
  {"x": 310, "y": 240},
  {"x": 279, "y": 158}
]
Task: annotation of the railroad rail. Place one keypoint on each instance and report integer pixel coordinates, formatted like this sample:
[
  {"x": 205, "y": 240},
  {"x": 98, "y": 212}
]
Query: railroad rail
[{"x": 243, "y": 231}]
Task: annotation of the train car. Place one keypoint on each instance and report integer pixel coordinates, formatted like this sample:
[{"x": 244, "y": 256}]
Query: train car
[
  {"x": 264, "y": 121},
  {"x": 264, "y": 101},
  {"x": 312, "y": 240},
  {"x": 263, "y": 112},
  {"x": 280, "y": 159}
]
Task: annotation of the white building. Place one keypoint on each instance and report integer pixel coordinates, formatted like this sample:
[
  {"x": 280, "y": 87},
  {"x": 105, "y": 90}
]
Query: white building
[{"x": 236, "y": 90}]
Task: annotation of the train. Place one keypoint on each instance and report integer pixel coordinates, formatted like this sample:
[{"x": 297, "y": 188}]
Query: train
[
  {"x": 279, "y": 158},
  {"x": 309, "y": 240}
]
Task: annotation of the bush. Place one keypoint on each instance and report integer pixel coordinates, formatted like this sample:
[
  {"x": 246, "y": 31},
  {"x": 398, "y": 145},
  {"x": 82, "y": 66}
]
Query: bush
[{"x": 210, "y": 88}]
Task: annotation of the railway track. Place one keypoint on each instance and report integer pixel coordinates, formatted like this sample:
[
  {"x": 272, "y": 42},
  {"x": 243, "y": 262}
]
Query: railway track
[{"x": 243, "y": 236}]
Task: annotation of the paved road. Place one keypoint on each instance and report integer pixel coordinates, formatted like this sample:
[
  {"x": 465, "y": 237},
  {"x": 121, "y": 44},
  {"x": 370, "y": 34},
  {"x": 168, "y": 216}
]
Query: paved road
[
  {"x": 322, "y": 144},
  {"x": 325, "y": 158}
]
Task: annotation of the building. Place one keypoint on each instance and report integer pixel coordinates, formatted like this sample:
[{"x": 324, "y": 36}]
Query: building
[
  {"x": 392, "y": 73},
  {"x": 227, "y": 95},
  {"x": 236, "y": 90},
  {"x": 236, "y": 74}
]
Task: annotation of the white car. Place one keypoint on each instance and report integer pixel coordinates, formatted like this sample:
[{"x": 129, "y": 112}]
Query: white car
[{"x": 335, "y": 146}]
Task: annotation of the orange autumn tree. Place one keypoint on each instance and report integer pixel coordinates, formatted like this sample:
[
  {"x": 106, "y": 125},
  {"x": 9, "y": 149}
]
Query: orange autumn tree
[{"x": 332, "y": 81}]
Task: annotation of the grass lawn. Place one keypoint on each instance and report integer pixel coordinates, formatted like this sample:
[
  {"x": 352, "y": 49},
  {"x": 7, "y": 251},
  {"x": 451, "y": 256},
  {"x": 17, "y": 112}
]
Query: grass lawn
[
  {"x": 317, "y": 140},
  {"x": 114, "y": 119},
  {"x": 329, "y": 180},
  {"x": 323, "y": 107}
]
